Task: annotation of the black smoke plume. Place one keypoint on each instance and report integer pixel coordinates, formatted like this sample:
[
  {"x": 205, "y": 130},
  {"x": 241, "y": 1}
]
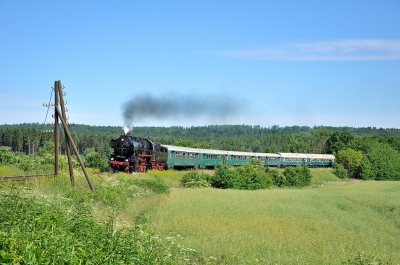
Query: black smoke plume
[{"x": 173, "y": 105}]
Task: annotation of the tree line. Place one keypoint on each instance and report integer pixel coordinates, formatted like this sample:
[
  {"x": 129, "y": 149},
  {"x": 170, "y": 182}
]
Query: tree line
[
  {"x": 367, "y": 153},
  {"x": 206, "y": 131}
]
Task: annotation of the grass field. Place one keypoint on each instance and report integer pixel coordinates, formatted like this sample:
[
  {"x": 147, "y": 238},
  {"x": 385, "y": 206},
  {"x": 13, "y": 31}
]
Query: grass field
[{"x": 330, "y": 222}]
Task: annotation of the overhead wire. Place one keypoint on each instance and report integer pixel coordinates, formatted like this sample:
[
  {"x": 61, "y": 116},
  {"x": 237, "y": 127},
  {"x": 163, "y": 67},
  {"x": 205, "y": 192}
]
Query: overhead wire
[{"x": 48, "y": 105}]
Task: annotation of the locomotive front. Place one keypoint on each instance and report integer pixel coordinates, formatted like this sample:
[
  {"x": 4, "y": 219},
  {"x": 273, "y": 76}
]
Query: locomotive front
[
  {"x": 121, "y": 159},
  {"x": 135, "y": 154}
]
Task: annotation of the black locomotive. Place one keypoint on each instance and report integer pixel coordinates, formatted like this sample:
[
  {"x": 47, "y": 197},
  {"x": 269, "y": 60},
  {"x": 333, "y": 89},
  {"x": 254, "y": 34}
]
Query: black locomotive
[{"x": 134, "y": 154}]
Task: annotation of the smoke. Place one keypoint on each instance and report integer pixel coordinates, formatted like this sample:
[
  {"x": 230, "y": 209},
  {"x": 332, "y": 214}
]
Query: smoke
[
  {"x": 127, "y": 128},
  {"x": 176, "y": 105}
]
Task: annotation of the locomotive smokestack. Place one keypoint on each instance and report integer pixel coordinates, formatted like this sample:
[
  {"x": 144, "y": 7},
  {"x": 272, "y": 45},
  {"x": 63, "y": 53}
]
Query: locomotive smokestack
[{"x": 162, "y": 107}]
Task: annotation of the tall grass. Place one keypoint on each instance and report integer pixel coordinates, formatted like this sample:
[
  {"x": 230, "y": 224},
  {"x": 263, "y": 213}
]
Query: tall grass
[
  {"x": 47, "y": 221},
  {"x": 135, "y": 219},
  {"x": 10, "y": 171},
  {"x": 328, "y": 225}
]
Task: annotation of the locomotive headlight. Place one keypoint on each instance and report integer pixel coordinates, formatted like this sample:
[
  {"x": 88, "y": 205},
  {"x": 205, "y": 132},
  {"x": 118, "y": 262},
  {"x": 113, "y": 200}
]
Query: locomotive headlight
[
  {"x": 126, "y": 160},
  {"x": 112, "y": 158}
]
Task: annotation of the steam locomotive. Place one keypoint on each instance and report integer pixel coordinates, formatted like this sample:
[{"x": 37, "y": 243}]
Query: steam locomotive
[{"x": 134, "y": 154}]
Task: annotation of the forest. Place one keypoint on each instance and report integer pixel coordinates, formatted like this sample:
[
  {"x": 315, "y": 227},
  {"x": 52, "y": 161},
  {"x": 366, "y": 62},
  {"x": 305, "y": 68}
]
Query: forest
[{"x": 367, "y": 153}]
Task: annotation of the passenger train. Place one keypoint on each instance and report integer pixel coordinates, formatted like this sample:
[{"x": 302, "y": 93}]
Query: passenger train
[{"x": 134, "y": 154}]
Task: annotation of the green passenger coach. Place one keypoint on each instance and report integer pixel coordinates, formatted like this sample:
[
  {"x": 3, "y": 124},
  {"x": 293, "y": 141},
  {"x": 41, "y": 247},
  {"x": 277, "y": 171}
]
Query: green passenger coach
[{"x": 185, "y": 157}]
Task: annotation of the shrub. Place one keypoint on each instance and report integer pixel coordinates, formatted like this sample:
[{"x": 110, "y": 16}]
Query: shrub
[
  {"x": 36, "y": 231},
  {"x": 305, "y": 175},
  {"x": 291, "y": 177},
  {"x": 351, "y": 160},
  {"x": 299, "y": 176},
  {"x": 46, "y": 149},
  {"x": 384, "y": 163},
  {"x": 157, "y": 185},
  {"x": 195, "y": 179},
  {"x": 366, "y": 170},
  {"x": 247, "y": 177},
  {"x": 223, "y": 177},
  {"x": 252, "y": 177},
  {"x": 6, "y": 155},
  {"x": 279, "y": 180},
  {"x": 95, "y": 160},
  {"x": 340, "y": 171}
]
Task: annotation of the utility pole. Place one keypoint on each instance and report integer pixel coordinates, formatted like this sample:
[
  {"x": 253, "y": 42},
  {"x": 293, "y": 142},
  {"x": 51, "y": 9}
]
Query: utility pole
[
  {"x": 56, "y": 129},
  {"x": 60, "y": 115},
  {"x": 67, "y": 144}
]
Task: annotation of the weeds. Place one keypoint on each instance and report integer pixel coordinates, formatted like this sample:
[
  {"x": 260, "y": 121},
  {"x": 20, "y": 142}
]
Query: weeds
[{"x": 62, "y": 229}]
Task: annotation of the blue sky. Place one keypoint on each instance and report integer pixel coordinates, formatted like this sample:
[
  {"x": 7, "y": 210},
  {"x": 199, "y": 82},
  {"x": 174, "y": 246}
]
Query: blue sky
[{"x": 332, "y": 63}]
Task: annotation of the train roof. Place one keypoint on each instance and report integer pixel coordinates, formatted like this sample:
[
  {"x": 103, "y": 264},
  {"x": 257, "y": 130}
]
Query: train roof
[
  {"x": 216, "y": 152},
  {"x": 313, "y": 156},
  {"x": 296, "y": 155},
  {"x": 324, "y": 156},
  {"x": 223, "y": 152}
]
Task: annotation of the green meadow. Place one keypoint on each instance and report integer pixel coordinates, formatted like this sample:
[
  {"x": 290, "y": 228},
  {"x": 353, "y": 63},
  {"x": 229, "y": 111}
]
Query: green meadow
[
  {"x": 326, "y": 225},
  {"x": 330, "y": 222}
]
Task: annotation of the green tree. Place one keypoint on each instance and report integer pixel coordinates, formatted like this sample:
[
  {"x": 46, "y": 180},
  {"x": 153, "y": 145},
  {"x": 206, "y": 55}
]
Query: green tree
[
  {"x": 382, "y": 163},
  {"x": 279, "y": 180},
  {"x": 339, "y": 140},
  {"x": 186, "y": 143},
  {"x": 340, "y": 171},
  {"x": 366, "y": 169},
  {"x": 95, "y": 160},
  {"x": 252, "y": 176},
  {"x": 223, "y": 177},
  {"x": 320, "y": 137},
  {"x": 46, "y": 149},
  {"x": 195, "y": 179},
  {"x": 7, "y": 156},
  {"x": 299, "y": 176},
  {"x": 351, "y": 161}
]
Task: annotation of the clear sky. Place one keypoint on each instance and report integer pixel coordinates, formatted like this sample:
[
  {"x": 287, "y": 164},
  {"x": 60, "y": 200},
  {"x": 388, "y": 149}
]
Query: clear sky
[{"x": 332, "y": 63}]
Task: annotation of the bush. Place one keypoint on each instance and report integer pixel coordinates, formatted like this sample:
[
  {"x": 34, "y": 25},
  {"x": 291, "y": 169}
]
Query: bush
[
  {"x": 299, "y": 176},
  {"x": 7, "y": 156},
  {"x": 351, "y": 160},
  {"x": 157, "y": 185},
  {"x": 279, "y": 180},
  {"x": 223, "y": 177},
  {"x": 366, "y": 170},
  {"x": 340, "y": 171},
  {"x": 291, "y": 177},
  {"x": 247, "y": 177},
  {"x": 36, "y": 231},
  {"x": 195, "y": 179},
  {"x": 95, "y": 160},
  {"x": 252, "y": 177},
  {"x": 383, "y": 163}
]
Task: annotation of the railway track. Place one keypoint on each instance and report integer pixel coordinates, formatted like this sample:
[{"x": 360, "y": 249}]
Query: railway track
[{"x": 24, "y": 177}]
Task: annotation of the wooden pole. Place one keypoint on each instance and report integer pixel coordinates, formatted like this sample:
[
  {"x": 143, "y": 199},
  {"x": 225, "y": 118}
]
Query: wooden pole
[
  {"x": 67, "y": 145},
  {"x": 56, "y": 135},
  {"x": 74, "y": 147}
]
